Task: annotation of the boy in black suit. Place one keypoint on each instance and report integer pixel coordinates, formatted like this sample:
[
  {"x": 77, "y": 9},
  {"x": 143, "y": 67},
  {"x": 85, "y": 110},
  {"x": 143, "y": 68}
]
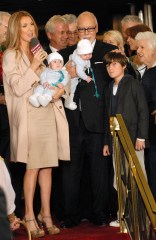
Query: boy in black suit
[{"x": 125, "y": 96}]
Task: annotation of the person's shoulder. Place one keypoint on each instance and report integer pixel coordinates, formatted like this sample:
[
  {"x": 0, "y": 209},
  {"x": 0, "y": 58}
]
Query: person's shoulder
[
  {"x": 130, "y": 78},
  {"x": 105, "y": 46},
  {"x": 9, "y": 53},
  {"x": 133, "y": 82},
  {"x": 47, "y": 49},
  {"x": 68, "y": 50},
  {"x": 10, "y": 58},
  {"x": 101, "y": 48},
  {"x": 149, "y": 76},
  {"x": 151, "y": 70}
]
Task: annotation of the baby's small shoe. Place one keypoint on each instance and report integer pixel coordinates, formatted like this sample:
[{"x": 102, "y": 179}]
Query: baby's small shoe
[
  {"x": 71, "y": 105},
  {"x": 44, "y": 99},
  {"x": 34, "y": 100}
]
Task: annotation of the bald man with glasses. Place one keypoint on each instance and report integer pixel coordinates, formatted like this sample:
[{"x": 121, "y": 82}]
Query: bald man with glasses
[{"x": 86, "y": 125}]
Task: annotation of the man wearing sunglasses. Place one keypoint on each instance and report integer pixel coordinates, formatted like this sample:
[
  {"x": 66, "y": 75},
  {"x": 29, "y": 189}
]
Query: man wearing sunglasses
[{"x": 86, "y": 126}]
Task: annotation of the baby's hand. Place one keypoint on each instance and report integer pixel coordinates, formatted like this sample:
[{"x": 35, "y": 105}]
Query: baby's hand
[
  {"x": 89, "y": 79},
  {"x": 59, "y": 85},
  {"x": 46, "y": 85}
]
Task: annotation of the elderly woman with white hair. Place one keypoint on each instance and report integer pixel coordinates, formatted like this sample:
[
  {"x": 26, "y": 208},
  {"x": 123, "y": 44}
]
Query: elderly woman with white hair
[{"x": 146, "y": 43}]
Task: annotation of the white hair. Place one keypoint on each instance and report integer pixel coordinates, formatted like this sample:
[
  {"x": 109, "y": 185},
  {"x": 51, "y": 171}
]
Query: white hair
[
  {"x": 70, "y": 18},
  {"x": 2, "y": 14},
  {"x": 150, "y": 36},
  {"x": 131, "y": 18},
  {"x": 51, "y": 23}
]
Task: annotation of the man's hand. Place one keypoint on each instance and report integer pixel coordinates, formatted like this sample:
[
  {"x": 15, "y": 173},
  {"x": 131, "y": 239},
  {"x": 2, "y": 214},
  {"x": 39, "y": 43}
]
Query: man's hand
[
  {"x": 89, "y": 79},
  {"x": 154, "y": 114},
  {"x": 106, "y": 151},
  {"x": 71, "y": 69},
  {"x": 139, "y": 145}
]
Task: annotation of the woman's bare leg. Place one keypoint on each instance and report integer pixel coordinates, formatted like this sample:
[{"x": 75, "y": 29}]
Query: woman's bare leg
[
  {"x": 30, "y": 180},
  {"x": 45, "y": 183}
]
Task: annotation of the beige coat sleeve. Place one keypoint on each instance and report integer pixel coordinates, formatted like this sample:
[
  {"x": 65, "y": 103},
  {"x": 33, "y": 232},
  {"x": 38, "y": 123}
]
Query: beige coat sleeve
[{"x": 18, "y": 79}]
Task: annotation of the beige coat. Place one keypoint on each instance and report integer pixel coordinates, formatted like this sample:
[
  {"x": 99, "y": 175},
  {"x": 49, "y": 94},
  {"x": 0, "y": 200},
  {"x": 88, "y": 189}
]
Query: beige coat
[{"x": 19, "y": 80}]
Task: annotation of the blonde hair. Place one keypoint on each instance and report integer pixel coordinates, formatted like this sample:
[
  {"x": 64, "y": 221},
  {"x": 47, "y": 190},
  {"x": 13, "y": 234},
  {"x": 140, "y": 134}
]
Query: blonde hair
[
  {"x": 117, "y": 37},
  {"x": 14, "y": 29}
]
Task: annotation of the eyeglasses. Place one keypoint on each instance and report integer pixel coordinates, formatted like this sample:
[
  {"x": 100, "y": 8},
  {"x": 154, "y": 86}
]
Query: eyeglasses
[
  {"x": 89, "y": 29},
  {"x": 72, "y": 33}
]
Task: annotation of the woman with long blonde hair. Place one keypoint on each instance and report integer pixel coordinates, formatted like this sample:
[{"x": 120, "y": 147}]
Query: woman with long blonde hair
[{"x": 34, "y": 135}]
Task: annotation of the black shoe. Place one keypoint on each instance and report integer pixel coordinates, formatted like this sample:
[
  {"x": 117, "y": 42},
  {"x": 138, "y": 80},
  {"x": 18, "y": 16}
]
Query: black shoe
[
  {"x": 68, "y": 224},
  {"x": 101, "y": 223},
  {"x": 65, "y": 225},
  {"x": 100, "y": 220}
]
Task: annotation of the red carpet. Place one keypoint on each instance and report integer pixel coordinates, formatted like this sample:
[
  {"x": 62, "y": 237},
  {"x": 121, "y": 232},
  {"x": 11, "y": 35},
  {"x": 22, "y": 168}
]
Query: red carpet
[{"x": 85, "y": 231}]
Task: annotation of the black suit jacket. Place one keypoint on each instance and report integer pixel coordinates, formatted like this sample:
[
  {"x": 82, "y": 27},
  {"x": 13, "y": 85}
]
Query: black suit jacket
[
  {"x": 132, "y": 105},
  {"x": 149, "y": 84},
  {"x": 92, "y": 108},
  {"x": 48, "y": 50}
]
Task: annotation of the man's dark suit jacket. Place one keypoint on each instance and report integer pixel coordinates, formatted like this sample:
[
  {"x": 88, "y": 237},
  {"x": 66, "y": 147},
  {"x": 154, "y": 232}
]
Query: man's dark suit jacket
[
  {"x": 92, "y": 108},
  {"x": 149, "y": 85}
]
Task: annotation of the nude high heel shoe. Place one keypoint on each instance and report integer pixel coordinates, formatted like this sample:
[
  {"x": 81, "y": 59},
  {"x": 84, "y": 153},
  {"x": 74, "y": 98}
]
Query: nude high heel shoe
[
  {"x": 37, "y": 233},
  {"x": 50, "y": 229}
]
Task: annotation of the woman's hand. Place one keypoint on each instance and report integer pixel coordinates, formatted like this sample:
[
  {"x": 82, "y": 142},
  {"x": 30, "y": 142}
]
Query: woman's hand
[
  {"x": 59, "y": 92},
  {"x": 38, "y": 59}
]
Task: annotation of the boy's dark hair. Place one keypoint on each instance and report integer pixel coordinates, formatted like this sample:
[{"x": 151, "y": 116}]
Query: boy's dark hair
[{"x": 115, "y": 57}]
